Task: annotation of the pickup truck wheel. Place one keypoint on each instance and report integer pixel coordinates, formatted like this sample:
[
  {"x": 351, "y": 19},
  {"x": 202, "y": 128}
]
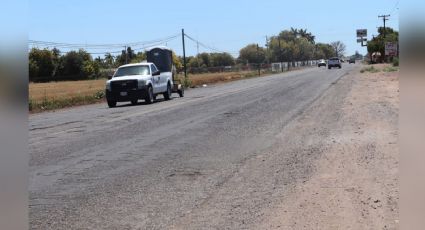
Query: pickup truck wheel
[
  {"x": 167, "y": 94},
  {"x": 181, "y": 93},
  {"x": 149, "y": 95},
  {"x": 112, "y": 104},
  {"x": 134, "y": 102}
]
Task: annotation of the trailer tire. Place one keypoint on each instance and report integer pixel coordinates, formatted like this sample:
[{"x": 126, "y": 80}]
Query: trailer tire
[
  {"x": 167, "y": 94},
  {"x": 181, "y": 92}
]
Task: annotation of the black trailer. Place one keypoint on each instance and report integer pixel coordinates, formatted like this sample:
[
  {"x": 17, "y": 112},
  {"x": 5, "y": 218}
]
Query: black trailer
[{"x": 162, "y": 57}]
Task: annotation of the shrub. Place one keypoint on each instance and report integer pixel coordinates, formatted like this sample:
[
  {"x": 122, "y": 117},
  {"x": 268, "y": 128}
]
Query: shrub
[
  {"x": 390, "y": 69},
  {"x": 396, "y": 61},
  {"x": 371, "y": 69}
]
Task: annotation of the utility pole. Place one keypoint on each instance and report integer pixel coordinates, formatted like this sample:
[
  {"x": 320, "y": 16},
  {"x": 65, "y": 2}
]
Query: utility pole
[
  {"x": 197, "y": 53},
  {"x": 125, "y": 52},
  {"x": 197, "y": 48},
  {"x": 258, "y": 60},
  {"x": 280, "y": 55},
  {"x": 184, "y": 57},
  {"x": 384, "y": 18},
  {"x": 267, "y": 51}
]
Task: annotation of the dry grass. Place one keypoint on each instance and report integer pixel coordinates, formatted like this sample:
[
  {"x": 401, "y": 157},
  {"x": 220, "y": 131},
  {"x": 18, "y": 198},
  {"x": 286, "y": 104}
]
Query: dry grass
[
  {"x": 56, "y": 95},
  {"x": 68, "y": 89},
  {"x": 376, "y": 68},
  {"x": 65, "y": 89}
]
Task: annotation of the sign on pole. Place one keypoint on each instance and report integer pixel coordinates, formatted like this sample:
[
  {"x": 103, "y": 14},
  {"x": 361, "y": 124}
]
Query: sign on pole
[
  {"x": 391, "y": 49},
  {"x": 361, "y": 39},
  {"x": 362, "y": 33}
]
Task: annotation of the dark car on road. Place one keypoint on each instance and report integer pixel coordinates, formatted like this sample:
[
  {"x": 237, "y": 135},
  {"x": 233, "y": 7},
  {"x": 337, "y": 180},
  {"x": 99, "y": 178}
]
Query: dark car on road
[{"x": 334, "y": 62}]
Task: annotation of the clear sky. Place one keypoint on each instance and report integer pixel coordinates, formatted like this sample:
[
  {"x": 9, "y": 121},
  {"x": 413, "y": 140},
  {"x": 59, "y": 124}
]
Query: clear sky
[{"x": 226, "y": 25}]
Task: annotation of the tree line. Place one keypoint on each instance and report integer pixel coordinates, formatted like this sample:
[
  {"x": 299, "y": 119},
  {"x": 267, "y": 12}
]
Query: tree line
[
  {"x": 51, "y": 65},
  {"x": 377, "y": 44},
  {"x": 288, "y": 46}
]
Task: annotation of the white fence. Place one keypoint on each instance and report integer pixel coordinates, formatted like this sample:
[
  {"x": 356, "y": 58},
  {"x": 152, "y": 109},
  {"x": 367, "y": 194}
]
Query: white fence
[{"x": 279, "y": 66}]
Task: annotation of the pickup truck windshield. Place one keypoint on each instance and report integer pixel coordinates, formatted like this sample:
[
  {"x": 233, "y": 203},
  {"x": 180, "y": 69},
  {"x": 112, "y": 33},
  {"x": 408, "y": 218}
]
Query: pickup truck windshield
[{"x": 132, "y": 70}]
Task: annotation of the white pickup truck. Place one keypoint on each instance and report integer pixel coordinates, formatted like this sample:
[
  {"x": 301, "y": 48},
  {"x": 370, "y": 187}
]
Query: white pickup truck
[{"x": 138, "y": 81}]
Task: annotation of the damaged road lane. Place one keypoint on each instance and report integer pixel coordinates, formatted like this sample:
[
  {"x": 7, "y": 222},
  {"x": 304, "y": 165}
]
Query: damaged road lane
[{"x": 189, "y": 163}]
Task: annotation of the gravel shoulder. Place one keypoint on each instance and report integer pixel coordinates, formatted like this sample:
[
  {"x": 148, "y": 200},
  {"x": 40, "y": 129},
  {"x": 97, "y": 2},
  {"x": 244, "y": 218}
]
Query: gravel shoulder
[{"x": 354, "y": 183}]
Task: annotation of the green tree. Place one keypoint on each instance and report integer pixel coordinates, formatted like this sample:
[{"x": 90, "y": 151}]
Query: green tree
[
  {"x": 126, "y": 55},
  {"x": 177, "y": 62},
  {"x": 222, "y": 59},
  {"x": 304, "y": 34},
  {"x": 250, "y": 54},
  {"x": 195, "y": 62},
  {"x": 304, "y": 49},
  {"x": 75, "y": 65},
  {"x": 56, "y": 61},
  {"x": 339, "y": 48},
  {"x": 108, "y": 60},
  {"x": 33, "y": 70},
  {"x": 323, "y": 51},
  {"x": 139, "y": 57},
  {"x": 42, "y": 64},
  {"x": 72, "y": 65},
  {"x": 206, "y": 59},
  {"x": 90, "y": 69},
  {"x": 377, "y": 44},
  {"x": 293, "y": 45}
]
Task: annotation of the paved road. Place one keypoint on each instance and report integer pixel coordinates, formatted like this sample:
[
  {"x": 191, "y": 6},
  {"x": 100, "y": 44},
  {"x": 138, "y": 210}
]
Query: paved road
[{"x": 172, "y": 164}]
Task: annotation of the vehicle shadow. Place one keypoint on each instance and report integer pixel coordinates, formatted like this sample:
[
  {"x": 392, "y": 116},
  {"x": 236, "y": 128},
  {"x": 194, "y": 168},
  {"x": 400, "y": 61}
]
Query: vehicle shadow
[{"x": 141, "y": 102}]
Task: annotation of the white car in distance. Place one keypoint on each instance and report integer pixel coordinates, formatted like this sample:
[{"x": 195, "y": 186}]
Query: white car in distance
[{"x": 321, "y": 62}]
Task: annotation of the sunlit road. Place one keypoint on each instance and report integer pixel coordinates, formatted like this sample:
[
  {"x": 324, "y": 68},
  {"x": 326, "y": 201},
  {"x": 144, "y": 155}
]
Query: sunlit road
[{"x": 186, "y": 163}]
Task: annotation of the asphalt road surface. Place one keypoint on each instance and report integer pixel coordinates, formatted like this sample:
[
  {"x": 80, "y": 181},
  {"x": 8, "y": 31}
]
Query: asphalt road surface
[{"x": 190, "y": 163}]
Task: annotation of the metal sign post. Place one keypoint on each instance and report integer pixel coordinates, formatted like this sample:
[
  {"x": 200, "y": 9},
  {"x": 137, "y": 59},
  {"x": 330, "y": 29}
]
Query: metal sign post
[{"x": 362, "y": 36}]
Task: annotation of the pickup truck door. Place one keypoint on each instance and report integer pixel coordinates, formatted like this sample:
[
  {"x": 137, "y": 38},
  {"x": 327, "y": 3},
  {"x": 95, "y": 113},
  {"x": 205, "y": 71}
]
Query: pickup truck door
[{"x": 156, "y": 80}]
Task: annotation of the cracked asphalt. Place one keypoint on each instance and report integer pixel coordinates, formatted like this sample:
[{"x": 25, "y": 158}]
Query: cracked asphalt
[{"x": 210, "y": 160}]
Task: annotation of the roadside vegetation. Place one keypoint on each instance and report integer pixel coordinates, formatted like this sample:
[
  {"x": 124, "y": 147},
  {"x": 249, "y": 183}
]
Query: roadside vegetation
[
  {"x": 376, "y": 51},
  {"x": 376, "y": 46},
  {"x": 379, "y": 68},
  {"x": 61, "y": 79},
  {"x": 370, "y": 69},
  {"x": 57, "y": 95}
]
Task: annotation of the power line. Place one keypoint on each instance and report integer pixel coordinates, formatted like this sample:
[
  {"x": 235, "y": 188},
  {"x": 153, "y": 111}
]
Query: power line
[
  {"x": 140, "y": 45},
  {"x": 99, "y": 46},
  {"x": 207, "y": 46}
]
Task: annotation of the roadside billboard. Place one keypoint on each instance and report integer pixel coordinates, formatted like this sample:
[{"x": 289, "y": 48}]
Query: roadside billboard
[
  {"x": 391, "y": 49},
  {"x": 361, "y": 33}
]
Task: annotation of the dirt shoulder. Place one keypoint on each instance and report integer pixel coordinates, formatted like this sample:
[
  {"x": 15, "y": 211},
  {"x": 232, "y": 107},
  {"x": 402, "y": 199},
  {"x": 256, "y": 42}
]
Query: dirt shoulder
[{"x": 354, "y": 184}]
